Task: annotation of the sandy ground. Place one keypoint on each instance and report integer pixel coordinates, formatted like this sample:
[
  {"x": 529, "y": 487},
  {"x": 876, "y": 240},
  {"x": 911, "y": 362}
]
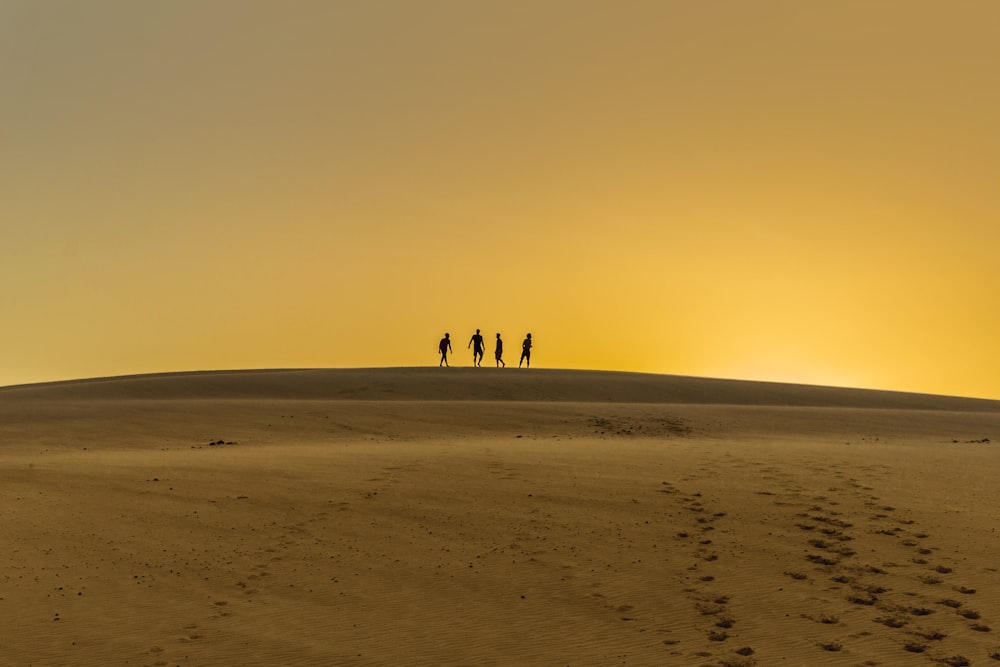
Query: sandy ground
[{"x": 484, "y": 517}]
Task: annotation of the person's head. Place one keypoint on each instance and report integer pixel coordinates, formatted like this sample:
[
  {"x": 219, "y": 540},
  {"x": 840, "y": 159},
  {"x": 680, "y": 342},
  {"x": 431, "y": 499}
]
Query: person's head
[
  {"x": 529, "y": 335},
  {"x": 477, "y": 330},
  {"x": 446, "y": 335},
  {"x": 498, "y": 335}
]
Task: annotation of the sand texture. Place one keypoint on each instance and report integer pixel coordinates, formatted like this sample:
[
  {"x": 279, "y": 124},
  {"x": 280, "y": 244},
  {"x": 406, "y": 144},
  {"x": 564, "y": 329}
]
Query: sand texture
[{"x": 481, "y": 517}]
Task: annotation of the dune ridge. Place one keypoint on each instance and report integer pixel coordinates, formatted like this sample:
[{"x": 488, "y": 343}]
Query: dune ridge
[{"x": 483, "y": 384}]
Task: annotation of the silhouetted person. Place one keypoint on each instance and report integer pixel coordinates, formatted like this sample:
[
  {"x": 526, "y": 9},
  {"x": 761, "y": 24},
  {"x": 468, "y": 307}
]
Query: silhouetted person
[
  {"x": 444, "y": 347},
  {"x": 525, "y": 352},
  {"x": 499, "y": 353},
  {"x": 477, "y": 351}
]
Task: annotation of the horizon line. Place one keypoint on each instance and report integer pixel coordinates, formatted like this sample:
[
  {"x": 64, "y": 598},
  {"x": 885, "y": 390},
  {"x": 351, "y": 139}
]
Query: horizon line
[{"x": 222, "y": 371}]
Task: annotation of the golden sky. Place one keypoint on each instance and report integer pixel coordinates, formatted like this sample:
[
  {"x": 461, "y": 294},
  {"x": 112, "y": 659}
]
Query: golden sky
[{"x": 779, "y": 190}]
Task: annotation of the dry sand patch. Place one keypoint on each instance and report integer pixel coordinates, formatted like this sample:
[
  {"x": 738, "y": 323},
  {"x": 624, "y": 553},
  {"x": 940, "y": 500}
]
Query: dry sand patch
[{"x": 495, "y": 532}]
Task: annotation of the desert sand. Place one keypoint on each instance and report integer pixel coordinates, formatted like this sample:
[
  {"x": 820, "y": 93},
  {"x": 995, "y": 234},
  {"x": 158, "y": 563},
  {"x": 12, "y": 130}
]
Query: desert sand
[{"x": 494, "y": 517}]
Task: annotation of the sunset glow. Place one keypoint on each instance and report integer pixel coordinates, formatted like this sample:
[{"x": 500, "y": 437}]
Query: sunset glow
[{"x": 775, "y": 190}]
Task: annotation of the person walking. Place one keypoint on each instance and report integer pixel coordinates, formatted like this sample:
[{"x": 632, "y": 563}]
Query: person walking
[
  {"x": 477, "y": 351},
  {"x": 525, "y": 352},
  {"x": 444, "y": 347},
  {"x": 499, "y": 352}
]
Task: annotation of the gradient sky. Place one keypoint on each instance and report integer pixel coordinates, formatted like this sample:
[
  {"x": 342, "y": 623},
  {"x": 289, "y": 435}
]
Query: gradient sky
[{"x": 780, "y": 190}]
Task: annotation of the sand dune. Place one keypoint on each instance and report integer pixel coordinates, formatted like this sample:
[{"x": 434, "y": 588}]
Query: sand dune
[
  {"x": 476, "y": 517},
  {"x": 384, "y": 384}
]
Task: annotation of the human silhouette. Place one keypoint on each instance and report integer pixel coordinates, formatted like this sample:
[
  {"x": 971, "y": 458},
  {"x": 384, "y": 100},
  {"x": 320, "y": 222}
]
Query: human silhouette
[
  {"x": 499, "y": 353},
  {"x": 477, "y": 351},
  {"x": 444, "y": 347},
  {"x": 525, "y": 352}
]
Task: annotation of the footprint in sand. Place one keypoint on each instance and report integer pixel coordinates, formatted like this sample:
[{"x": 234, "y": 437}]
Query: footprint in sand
[
  {"x": 713, "y": 606},
  {"x": 825, "y": 532}
]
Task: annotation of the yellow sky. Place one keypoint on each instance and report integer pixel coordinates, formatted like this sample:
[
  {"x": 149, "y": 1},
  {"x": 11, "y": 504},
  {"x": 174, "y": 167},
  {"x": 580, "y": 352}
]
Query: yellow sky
[{"x": 773, "y": 190}]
